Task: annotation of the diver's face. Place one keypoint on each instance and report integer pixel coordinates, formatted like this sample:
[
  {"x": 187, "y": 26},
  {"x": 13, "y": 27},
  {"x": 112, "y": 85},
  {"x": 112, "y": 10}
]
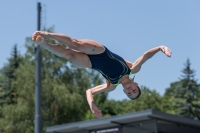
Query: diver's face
[{"x": 131, "y": 89}]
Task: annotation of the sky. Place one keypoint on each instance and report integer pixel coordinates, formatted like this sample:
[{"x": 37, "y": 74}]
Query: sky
[{"x": 128, "y": 28}]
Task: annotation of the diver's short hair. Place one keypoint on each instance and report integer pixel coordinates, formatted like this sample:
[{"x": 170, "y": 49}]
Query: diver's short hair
[{"x": 139, "y": 94}]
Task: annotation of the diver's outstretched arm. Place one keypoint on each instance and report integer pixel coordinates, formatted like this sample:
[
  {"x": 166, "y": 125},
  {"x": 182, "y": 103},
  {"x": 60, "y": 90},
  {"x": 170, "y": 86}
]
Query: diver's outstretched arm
[
  {"x": 95, "y": 90},
  {"x": 136, "y": 66}
]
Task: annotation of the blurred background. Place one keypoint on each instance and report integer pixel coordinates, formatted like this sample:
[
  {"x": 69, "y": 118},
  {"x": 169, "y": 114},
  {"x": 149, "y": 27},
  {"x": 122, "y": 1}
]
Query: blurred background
[{"x": 128, "y": 28}]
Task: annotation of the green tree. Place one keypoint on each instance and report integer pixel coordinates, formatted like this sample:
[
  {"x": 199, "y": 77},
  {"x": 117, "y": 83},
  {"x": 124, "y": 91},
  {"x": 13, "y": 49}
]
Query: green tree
[
  {"x": 184, "y": 94},
  {"x": 63, "y": 92},
  {"x": 7, "y": 73},
  {"x": 188, "y": 93}
]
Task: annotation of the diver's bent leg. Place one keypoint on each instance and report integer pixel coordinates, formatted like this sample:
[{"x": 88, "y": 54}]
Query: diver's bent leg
[
  {"x": 86, "y": 46},
  {"x": 77, "y": 58}
]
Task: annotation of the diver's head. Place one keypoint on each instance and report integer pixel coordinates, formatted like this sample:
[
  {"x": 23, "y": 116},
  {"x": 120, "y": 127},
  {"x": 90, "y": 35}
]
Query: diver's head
[{"x": 131, "y": 89}]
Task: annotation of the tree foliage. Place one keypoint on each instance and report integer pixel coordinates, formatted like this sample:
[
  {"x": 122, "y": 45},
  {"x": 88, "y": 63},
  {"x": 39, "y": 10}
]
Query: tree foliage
[
  {"x": 186, "y": 93},
  {"x": 63, "y": 92},
  {"x": 8, "y": 94}
]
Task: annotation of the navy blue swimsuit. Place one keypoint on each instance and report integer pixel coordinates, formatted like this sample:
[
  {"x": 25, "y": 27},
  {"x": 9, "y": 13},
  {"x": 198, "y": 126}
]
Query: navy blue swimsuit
[{"x": 110, "y": 65}]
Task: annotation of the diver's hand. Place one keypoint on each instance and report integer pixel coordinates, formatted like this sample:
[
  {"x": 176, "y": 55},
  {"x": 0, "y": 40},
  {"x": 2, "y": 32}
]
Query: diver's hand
[
  {"x": 166, "y": 50},
  {"x": 95, "y": 110},
  {"x": 43, "y": 34}
]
